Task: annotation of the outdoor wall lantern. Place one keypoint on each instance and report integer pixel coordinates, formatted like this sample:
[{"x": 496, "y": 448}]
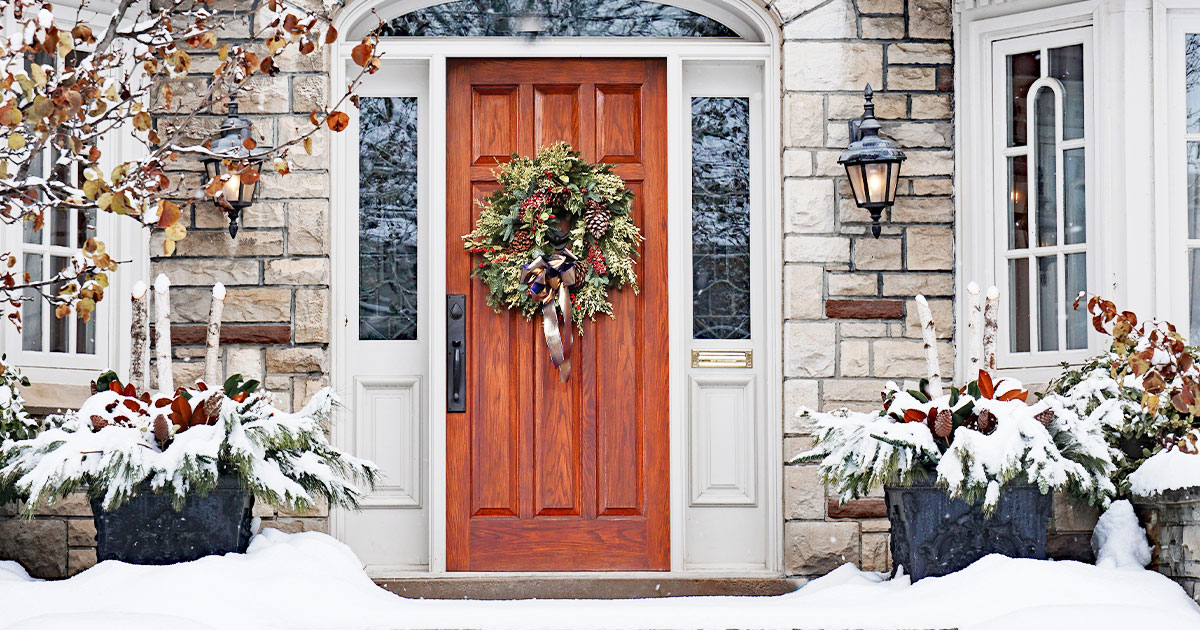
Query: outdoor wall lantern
[
  {"x": 232, "y": 154},
  {"x": 872, "y": 164}
]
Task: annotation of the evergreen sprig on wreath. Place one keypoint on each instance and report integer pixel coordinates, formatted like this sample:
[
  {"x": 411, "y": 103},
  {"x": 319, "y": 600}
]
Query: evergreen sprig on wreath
[{"x": 553, "y": 202}]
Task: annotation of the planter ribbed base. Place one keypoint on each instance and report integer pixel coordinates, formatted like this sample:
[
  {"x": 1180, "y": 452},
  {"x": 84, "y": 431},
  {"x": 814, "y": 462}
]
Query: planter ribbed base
[
  {"x": 934, "y": 535},
  {"x": 148, "y": 530}
]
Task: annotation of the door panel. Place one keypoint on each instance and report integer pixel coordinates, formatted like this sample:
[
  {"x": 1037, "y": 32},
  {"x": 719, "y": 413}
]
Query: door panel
[{"x": 543, "y": 475}]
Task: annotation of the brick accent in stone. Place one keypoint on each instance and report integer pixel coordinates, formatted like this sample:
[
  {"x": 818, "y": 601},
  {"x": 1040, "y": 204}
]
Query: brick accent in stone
[
  {"x": 864, "y": 309},
  {"x": 857, "y": 508}
]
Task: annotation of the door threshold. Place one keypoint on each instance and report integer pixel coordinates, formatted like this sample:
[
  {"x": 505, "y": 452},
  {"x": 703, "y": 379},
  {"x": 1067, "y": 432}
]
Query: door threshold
[{"x": 581, "y": 587}]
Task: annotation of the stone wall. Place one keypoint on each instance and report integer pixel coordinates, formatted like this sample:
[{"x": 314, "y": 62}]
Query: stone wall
[
  {"x": 849, "y": 318},
  {"x": 1172, "y": 521}
]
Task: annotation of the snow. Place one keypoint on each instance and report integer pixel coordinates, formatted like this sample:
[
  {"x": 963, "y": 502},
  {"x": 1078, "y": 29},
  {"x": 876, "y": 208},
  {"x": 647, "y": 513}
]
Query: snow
[
  {"x": 219, "y": 291},
  {"x": 1119, "y": 541},
  {"x": 1165, "y": 470},
  {"x": 309, "y": 580}
]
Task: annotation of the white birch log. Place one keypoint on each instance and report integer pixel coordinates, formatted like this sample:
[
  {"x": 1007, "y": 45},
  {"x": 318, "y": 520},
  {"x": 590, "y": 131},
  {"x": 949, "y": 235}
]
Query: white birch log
[
  {"x": 139, "y": 337},
  {"x": 929, "y": 335},
  {"x": 991, "y": 324},
  {"x": 212, "y": 350},
  {"x": 974, "y": 330},
  {"x": 162, "y": 327}
]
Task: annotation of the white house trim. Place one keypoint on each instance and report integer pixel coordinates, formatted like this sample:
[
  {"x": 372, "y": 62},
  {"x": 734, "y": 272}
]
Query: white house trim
[{"x": 432, "y": 53}]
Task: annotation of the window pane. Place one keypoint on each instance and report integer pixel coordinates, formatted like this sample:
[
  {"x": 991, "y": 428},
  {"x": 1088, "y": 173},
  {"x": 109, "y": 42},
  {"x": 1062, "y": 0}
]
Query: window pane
[
  {"x": 1018, "y": 308},
  {"x": 1018, "y": 202},
  {"x": 1023, "y": 70},
  {"x": 60, "y": 227},
  {"x": 29, "y": 234},
  {"x": 85, "y": 335},
  {"x": 1192, "y": 78},
  {"x": 1077, "y": 322},
  {"x": 1066, "y": 65},
  {"x": 554, "y": 18},
  {"x": 1048, "y": 303},
  {"x": 86, "y": 228},
  {"x": 721, "y": 218},
  {"x": 1047, "y": 167},
  {"x": 1193, "y": 189},
  {"x": 387, "y": 219},
  {"x": 1194, "y": 273},
  {"x": 60, "y": 328},
  {"x": 31, "y": 311},
  {"x": 1074, "y": 197}
]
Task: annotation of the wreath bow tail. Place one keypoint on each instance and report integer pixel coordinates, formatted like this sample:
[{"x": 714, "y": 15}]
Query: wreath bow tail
[{"x": 549, "y": 281}]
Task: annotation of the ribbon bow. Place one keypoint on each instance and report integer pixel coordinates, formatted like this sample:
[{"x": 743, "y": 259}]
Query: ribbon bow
[{"x": 548, "y": 279}]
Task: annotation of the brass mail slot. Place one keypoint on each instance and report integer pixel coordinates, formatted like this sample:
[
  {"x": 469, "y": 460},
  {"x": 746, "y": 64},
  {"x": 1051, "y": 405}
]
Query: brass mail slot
[{"x": 722, "y": 358}]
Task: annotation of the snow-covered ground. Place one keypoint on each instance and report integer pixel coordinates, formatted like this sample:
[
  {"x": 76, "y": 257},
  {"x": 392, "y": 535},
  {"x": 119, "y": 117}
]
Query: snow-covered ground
[{"x": 309, "y": 580}]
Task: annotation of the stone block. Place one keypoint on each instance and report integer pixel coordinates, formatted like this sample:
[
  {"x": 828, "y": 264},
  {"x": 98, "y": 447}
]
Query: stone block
[
  {"x": 230, "y": 272},
  {"x": 943, "y": 319},
  {"x": 819, "y": 249},
  {"x": 264, "y": 95},
  {"x": 803, "y": 493},
  {"x": 918, "y": 134},
  {"x": 864, "y": 309},
  {"x": 875, "y": 525},
  {"x": 295, "y": 185},
  {"x": 312, "y": 316},
  {"x": 294, "y": 127},
  {"x": 929, "y": 19},
  {"x": 835, "y": 19},
  {"x": 883, "y": 27},
  {"x": 854, "y": 358},
  {"x": 930, "y": 247},
  {"x": 911, "y": 284},
  {"x": 921, "y": 163},
  {"x": 853, "y": 284},
  {"x": 932, "y": 186},
  {"x": 803, "y": 291},
  {"x": 74, "y": 504},
  {"x": 295, "y": 359},
  {"x": 80, "y": 560},
  {"x": 793, "y": 446},
  {"x": 40, "y": 546},
  {"x": 922, "y": 210},
  {"x": 304, "y": 389},
  {"x": 911, "y": 78},
  {"x": 884, "y": 7},
  {"x": 808, "y": 204},
  {"x": 899, "y": 358},
  {"x": 81, "y": 532},
  {"x": 789, "y": 9},
  {"x": 297, "y": 271},
  {"x": 809, "y": 348},
  {"x": 826, "y": 66},
  {"x": 853, "y": 390},
  {"x": 310, "y": 93},
  {"x": 1069, "y": 514},
  {"x": 797, "y": 163},
  {"x": 849, "y": 106},
  {"x": 816, "y": 547},
  {"x": 218, "y": 244},
  {"x": 245, "y": 361},
  {"x": 804, "y": 120},
  {"x": 260, "y": 304},
  {"x": 876, "y": 554},
  {"x": 263, "y": 214},
  {"x": 932, "y": 106},
  {"x": 308, "y": 227},
  {"x": 297, "y": 525},
  {"x": 870, "y": 330},
  {"x": 797, "y": 394},
  {"x": 877, "y": 253},
  {"x": 926, "y": 53}
]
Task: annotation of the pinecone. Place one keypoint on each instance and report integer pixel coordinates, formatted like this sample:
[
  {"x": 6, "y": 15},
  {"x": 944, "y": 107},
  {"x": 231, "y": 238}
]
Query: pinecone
[
  {"x": 521, "y": 243},
  {"x": 597, "y": 219},
  {"x": 596, "y": 257},
  {"x": 986, "y": 422},
  {"x": 1045, "y": 416},
  {"x": 162, "y": 430},
  {"x": 943, "y": 424}
]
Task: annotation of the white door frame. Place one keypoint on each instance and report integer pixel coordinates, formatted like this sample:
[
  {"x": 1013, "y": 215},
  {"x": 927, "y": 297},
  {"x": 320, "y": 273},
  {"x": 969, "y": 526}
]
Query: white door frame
[{"x": 434, "y": 52}]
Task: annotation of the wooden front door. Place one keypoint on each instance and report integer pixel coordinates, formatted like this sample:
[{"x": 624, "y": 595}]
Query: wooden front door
[{"x": 541, "y": 475}]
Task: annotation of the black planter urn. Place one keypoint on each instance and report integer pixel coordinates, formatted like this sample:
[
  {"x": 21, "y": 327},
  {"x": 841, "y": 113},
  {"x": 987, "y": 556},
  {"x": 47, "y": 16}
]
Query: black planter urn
[
  {"x": 148, "y": 530},
  {"x": 934, "y": 535}
]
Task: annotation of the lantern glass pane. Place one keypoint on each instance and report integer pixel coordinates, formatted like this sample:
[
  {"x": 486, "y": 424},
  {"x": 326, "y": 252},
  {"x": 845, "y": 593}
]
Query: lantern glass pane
[
  {"x": 855, "y": 173},
  {"x": 894, "y": 169},
  {"x": 876, "y": 181}
]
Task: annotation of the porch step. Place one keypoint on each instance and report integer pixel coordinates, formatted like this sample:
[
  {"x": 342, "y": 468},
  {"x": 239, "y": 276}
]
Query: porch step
[{"x": 581, "y": 587}]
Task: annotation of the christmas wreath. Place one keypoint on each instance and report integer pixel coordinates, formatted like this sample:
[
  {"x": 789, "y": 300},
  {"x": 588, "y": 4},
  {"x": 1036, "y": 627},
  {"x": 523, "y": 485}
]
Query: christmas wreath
[{"x": 555, "y": 238}]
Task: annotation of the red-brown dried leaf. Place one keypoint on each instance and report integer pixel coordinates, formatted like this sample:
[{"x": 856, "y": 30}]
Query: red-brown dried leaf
[
  {"x": 914, "y": 415},
  {"x": 986, "y": 388},
  {"x": 98, "y": 422}
]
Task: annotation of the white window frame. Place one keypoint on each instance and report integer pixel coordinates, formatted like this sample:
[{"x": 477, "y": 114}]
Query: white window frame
[
  {"x": 125, "y": 240},
  {"x": 981, "y": 209},
  {"x": 1171, "y": 26},
  {"x": 999, "y": 154}
]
